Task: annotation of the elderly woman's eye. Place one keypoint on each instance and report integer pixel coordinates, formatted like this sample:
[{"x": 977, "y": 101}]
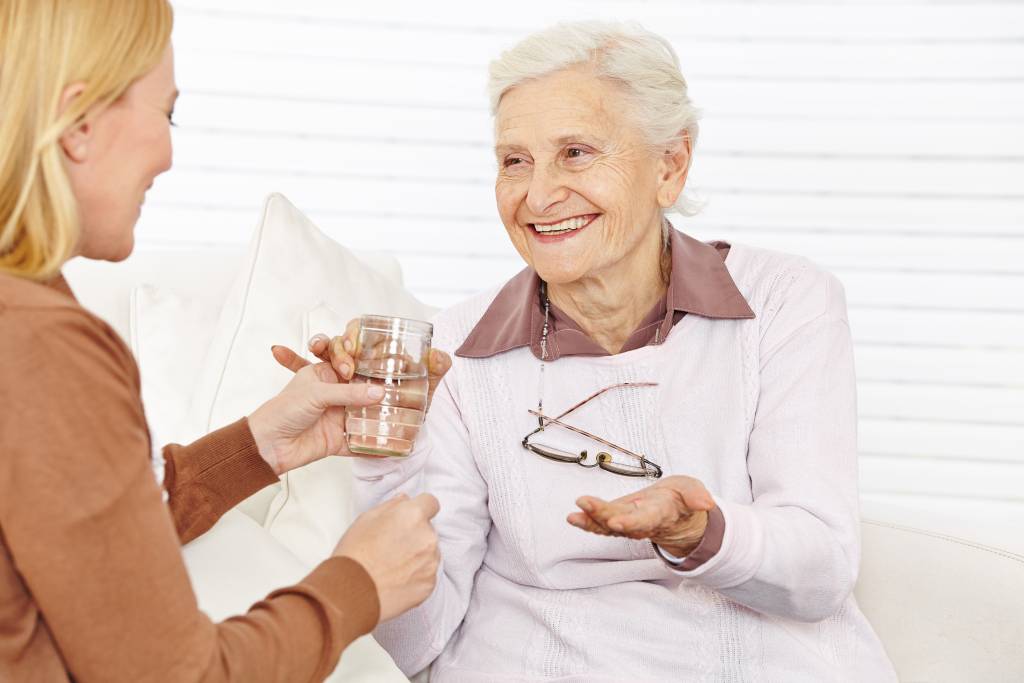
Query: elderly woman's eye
[
  {"x": 575, "y": 152},
  {"x": 509, "y": 162}
]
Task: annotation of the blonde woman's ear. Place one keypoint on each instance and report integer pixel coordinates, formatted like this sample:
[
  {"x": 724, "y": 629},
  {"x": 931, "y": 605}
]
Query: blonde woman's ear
[{"x": 75, "y": 140}]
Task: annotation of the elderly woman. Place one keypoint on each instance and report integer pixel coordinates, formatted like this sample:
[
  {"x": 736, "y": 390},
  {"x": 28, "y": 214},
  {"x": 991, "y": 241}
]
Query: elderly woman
[{"x": 706, "y": 390}]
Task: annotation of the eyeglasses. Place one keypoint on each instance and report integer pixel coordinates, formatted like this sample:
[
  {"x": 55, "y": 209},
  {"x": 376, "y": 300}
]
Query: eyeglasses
[{"x": 602, "y": 459}]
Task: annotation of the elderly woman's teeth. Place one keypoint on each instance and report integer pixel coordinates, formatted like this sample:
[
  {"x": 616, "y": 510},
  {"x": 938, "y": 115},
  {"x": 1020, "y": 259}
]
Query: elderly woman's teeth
[{"x": 564, "y": 226}]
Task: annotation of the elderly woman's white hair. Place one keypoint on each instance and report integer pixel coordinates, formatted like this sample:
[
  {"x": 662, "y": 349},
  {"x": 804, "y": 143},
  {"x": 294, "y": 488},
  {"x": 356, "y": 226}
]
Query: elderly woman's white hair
[{"x": 643, "y": 63}]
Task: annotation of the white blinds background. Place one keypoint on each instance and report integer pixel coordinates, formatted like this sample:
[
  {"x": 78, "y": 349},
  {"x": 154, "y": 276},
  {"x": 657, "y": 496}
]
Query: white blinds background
[{"x": 885, "y": 140}]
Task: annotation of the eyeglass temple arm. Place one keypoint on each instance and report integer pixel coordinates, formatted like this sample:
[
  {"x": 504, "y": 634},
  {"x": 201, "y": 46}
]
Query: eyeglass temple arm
[
  {"x": 555, "y": 420},
  {"x": 595, "y": 395}
]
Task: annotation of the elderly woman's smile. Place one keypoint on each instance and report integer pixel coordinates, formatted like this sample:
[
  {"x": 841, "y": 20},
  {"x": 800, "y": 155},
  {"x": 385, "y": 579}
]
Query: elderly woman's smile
[{"x": 553, "y": 232}]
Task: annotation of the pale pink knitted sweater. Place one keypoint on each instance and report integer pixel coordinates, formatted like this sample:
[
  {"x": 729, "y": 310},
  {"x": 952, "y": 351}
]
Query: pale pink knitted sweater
[{"x": 763, "y": 411}]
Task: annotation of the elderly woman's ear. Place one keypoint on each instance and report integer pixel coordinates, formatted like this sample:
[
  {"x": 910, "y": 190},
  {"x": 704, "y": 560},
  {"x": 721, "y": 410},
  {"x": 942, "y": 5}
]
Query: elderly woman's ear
[{"x": 675, "y": 165}]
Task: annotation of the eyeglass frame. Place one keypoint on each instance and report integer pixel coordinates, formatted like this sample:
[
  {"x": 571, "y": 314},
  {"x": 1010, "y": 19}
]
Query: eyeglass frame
[{"x": 647, "y": 468}]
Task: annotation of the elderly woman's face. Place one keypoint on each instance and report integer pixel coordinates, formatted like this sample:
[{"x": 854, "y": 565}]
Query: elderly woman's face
[{"x": 577, "y": 187}]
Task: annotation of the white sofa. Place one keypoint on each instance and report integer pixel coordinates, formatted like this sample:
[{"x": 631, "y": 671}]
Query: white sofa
[{"x": 947, "y": 608}]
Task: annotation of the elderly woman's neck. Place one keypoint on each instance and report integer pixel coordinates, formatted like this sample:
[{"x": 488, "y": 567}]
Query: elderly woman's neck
[{"x": 609, "y": 306}]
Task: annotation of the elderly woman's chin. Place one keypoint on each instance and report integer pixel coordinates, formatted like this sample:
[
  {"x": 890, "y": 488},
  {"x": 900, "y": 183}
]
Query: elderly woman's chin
[
  {"x": 593, "y": 253},
  {"x": 558, "y": 263}
]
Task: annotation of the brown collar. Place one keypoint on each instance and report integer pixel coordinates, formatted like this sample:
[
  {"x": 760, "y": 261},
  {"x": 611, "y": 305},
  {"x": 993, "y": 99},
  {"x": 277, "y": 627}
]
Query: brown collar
[{"x": 699, "y": 283}]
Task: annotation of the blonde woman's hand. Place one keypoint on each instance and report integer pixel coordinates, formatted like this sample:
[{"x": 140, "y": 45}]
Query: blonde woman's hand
[
  {"x": 397, "y": 546},
  {"x": 672, "y": 513},
  {"x": 340, "y": 353},
  {"x": 306, "y": 421}
]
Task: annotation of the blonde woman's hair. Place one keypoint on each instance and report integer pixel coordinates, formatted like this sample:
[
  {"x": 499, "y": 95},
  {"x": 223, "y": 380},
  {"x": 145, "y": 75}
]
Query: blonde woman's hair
[
  {"x": 45, "y": 46},
  {"x": 643, "y": 63}
]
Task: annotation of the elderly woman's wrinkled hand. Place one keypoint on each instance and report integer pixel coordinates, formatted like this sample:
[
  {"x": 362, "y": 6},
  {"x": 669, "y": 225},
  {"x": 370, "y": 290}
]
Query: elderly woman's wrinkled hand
[
  {"x": 340, "y": 353},
  {"x": 672, "y": 513}
]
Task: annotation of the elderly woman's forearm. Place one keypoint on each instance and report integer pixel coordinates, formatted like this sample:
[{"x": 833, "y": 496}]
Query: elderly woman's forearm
[
  {"x": 442, "y": 464},
  {"x": 784, "y": 562}
]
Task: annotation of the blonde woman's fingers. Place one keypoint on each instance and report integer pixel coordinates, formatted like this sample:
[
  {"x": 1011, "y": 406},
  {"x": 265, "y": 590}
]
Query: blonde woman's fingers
[{"x": 288, "y": 358}]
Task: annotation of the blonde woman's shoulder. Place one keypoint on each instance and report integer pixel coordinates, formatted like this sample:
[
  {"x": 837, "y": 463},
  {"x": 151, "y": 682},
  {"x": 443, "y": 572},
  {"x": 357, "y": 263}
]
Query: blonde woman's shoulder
[{"x": 18, "y": 293}]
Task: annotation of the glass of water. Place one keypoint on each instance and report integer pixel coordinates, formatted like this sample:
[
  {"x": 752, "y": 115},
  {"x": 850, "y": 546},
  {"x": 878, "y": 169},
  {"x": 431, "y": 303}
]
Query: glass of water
[{"x": 392, "y": 353}]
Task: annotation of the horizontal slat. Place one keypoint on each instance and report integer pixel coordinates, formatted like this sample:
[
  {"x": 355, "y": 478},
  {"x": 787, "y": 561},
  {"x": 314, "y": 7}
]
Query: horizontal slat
[
  {"x": 930, "y": 290},
  {"x": 880, "y": 252},
  {"x": 818, "y": 21},
  {"x": 940, "y": 478},
  {"x": 976, "y": 331},
  {"x": 931, "y": 440},
  {"x": 326, "y": 155},
  {"x": 819, "y": 213},
  {"x": 881, "y": 140},
  {"x": 331, "y": 42},
  {"x": 944, "y": 404},
  {"x": 718, "y": 94},
  {"x": 422, "y": 272},
  {"x": 951, "y": 367},
  {"x": 853, "y": 177}
]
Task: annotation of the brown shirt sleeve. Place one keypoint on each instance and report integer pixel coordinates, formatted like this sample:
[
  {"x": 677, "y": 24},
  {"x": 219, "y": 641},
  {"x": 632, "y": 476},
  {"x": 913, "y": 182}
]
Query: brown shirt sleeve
[
  {"x": 212, "y": 475},
  {"x": 84, "y": 523},
  {"x": 708, "y": 547}
]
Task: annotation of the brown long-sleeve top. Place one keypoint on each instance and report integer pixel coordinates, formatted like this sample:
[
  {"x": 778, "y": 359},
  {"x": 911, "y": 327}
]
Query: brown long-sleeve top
[{"x": 92, "y": 583}]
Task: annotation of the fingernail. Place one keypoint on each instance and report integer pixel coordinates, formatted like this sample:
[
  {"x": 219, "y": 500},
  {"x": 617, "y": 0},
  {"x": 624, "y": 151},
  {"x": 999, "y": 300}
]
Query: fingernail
[
  {"x": 375, "y": 393},
  {"x": 348, "y": 345},
  {"x": 346, "y": 372},
  {"x": 274, "y": 348}
]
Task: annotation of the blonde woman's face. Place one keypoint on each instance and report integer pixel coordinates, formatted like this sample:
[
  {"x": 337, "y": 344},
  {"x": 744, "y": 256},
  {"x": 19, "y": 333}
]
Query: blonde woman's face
[
  {"x": 577, "y": 188},
  {"x": 114, "y": 157}
]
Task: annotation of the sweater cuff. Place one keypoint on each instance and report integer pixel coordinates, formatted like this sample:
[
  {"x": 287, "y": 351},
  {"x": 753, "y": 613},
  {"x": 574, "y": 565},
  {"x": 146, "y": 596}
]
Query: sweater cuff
[
  {"x": 342, "y": 584},
  {"x": 345, "y": 600},
  {"x": 741, "y": 551},
  {"x": 226, "y": 461}
]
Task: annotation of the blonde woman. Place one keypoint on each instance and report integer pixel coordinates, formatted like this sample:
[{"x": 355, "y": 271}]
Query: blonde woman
[{"x": 92, "y": 584}]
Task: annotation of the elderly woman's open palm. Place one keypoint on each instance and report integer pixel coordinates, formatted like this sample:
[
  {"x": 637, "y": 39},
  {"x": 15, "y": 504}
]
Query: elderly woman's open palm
[{"x": 672, "y": 513}]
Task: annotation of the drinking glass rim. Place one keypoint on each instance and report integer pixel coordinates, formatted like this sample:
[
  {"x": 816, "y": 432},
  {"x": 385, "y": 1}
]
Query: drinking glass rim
[{"x": 395, "y": 325}]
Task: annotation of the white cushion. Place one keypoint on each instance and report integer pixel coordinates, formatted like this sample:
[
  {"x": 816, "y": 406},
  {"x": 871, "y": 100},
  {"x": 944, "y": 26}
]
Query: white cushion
[
  {"x": 290, "y": 269},
  {"x": 294, "y": 282},
  {"x": 196, "y": 274},
  {"x": 169, "y": 335},
  {"x": 946, "y": 609}
]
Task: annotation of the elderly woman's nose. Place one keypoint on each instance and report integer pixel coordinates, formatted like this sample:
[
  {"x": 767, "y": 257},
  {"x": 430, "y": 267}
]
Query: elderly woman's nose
[{"x": 546, "y": 189}]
